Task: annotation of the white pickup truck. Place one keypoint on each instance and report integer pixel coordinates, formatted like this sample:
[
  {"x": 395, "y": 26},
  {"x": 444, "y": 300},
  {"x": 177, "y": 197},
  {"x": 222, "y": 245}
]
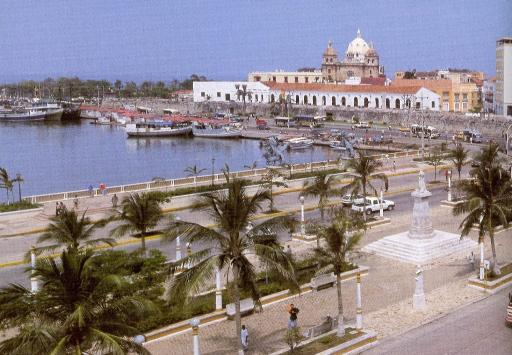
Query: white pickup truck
[{"x": 373, "y": 205}]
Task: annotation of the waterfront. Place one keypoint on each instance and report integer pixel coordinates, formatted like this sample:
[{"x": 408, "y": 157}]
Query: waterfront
[{"x": 55, "y": 157}]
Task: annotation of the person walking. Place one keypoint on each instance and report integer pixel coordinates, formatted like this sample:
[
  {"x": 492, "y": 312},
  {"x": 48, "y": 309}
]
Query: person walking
[
  {"x": 75, "y": 202},
  {"x": 91, "y": 191},
  {"x": 62, "y": 207},
  {"x": 57, "y": 208},
  {"x": 115, "y": 199},
  {"x": 293, "y": 311},
  {"x": 394, "y": 166},
  {"x": 244, "y": 335}
]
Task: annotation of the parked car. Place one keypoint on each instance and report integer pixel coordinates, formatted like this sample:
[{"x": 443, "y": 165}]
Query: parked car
[
  {"x": 475, "y": 163},
  {"x": 348, "y": 200},
  {"x": 373, "y": 205},
  {"x": 361, "y": 124}
]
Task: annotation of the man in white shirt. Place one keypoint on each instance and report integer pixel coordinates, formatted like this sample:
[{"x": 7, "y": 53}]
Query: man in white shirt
[{"x": 244, "y": 334}]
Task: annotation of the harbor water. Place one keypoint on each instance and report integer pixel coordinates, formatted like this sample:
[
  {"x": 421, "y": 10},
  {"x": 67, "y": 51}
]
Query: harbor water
[{"x": 58, "y": 157}]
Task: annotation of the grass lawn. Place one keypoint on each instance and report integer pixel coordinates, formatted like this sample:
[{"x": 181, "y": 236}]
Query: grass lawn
[
  {"x": 17, "y": 206},
  {"x": 325, "y": 343},
  {"x": 505, "y": 271}
]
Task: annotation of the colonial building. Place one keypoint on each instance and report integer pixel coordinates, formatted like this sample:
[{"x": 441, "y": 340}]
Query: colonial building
[
  {"x": 504, "y": 76},
  {"x": 442, "y": 87},
  {"x": 361, "y": 96},
  {"x": 280, "y": 76},
  {"x": 360, "y": 60}
]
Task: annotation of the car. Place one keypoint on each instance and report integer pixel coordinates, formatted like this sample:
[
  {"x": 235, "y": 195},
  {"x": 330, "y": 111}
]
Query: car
[
  {"x": 475, "y": 163},
  {"x": 361, "y": 124},
  {"x": 348, "y": 200},
  {"x": 373, "y": 205}
]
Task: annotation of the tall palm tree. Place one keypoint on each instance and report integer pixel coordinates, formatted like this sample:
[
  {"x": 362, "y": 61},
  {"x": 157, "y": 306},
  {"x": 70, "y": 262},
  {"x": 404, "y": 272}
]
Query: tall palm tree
[
  {"x": 363, "y": 169},
  {"x": 341, "y": 237},
  {"x": 273, "y": 177},
  {"x": 78, "y": 310},
  {"x": 323, "y": 187},
  {"x": 73, "y": 232},
  {"x": 230, "y": 245},
  {"x": 19, "y": 179},
  {"x": 195, "y": 172},
  {"x": 459, "y": 156},
  {"x": 488, "y": 199},
  {"x": 140, "y": 212},
  {"x": 5, "y": 182}
]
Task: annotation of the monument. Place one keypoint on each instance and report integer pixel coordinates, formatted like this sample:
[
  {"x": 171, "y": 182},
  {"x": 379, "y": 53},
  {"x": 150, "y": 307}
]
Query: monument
[{"x": 421, "y": 244}]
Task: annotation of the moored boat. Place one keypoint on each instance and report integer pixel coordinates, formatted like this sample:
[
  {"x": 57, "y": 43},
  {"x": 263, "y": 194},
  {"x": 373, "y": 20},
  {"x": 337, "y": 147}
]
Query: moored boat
[
  {"x": 337, "y": 145},
  {"x": 216, "y": 131},
  {"x": 158, "y": 129},
  {"x": 299, "y": 143},
  {"x": 22, "y": 114}
]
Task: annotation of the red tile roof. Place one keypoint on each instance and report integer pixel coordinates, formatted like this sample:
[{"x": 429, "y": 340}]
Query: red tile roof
[
  {"x": 342, "y": 88},
  {"x": 374, "y": 81},
  {"x": 432, "y": 84}
]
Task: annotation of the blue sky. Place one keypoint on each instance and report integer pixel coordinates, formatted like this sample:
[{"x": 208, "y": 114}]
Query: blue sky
[{"x": 166, "y": 39}]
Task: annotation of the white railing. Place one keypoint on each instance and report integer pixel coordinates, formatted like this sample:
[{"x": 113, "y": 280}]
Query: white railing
[{"x": 192, "y": 181}]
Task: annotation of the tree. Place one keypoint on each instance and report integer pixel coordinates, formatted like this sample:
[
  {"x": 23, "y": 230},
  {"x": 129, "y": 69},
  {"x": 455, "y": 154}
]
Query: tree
[
  {"x": 79, "y": 309},
  {"x": 230, "y": 246},
  {"x": 435, "y": 159},
  {"x": 341, "y": 237},
  {"x": 488, "y": 199},
  {"x": 271, "y": 178},
  {"x": 19, "y": 179},
  {"x": 252, "y": 167},
  {"x": 458, "y": 156},
  {"x": 6, "y": 182},
  {"x": 194, "y": 171},
  {"x": 118, "y": 85},
  {"x": 363, "y": 169},
  {"x": 140, "y": 212},
  {"x": 73, "y": 232},
  {"x": 293, "y": 337}
]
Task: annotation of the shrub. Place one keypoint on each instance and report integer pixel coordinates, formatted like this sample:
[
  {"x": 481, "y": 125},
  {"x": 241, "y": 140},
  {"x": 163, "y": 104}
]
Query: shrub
[{"x": 18, "y": 206}]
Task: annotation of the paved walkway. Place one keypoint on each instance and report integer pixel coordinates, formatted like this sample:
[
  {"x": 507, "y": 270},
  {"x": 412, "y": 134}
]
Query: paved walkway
[{"x": 478, "y": 328}]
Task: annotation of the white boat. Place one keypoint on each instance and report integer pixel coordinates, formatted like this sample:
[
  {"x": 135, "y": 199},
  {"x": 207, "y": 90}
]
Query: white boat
[
  {"x": 337, "y": 145},
  {"x": 216, "y": 131},
  {"x": 103, "y": 120},
  {"x": 299, "y": 143},
  {"x": 157, "y": 129}
]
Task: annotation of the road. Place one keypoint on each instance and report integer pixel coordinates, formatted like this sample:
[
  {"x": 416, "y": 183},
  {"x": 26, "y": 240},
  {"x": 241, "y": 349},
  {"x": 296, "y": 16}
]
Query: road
[{"x": 477, "y": 328}]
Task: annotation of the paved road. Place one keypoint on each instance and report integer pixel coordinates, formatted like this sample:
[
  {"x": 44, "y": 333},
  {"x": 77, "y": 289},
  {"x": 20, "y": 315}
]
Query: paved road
[{"x": 475, "y": 329}]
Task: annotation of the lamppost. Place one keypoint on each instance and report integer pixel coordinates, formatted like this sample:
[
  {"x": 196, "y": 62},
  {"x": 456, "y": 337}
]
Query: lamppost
[
  {"x": 213, "y": 171},
  {"x": 194, "y": 323},
  {"x": 302, "y": 226},
  {"x": 449, "y": 185},
  {"x": 178, "y": 243},
  {"x": 218, "y": 290},
  {"x": 381, "y": 211}
]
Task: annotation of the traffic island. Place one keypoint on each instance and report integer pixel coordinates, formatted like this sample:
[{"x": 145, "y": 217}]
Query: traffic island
[
  {"x": 493, "y": 283},
  {"x": 377, "y": 222}
]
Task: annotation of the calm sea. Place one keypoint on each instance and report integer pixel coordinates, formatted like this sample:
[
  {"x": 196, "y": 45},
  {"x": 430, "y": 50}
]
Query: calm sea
[{"x": 64, "y": 157}]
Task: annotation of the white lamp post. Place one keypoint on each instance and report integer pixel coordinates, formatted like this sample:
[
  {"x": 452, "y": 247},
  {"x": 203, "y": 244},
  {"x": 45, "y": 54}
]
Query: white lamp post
[
  {"x": 302, "y": 226},
  {"x": 218, "y": 290},
  {"x": 381, "y": 211},
  {"x": 194, "y": 323},
  {"x": 178, "y": 244},
  {"x": 482, "y": 269},
  {"x": 359, "y": 308},
  {"x": 34, "y": 286}
]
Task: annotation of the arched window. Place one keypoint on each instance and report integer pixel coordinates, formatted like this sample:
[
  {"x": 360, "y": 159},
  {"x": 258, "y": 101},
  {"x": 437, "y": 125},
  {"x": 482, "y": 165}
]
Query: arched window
[
  {"x": 388, "y": 103},
  {"x": 356, "y": 103},
  {"x": 297, "y": 99},
  {"x": 343, "y": 101},
  {"x": 272, "y": 98},
  {"x": 366, "y": 102},
  {"x": 305, "y": 99},
  {"x": 314, "y": 100},
  {"x": 408, "y": 103},
  {"x": 333, "y": 100},
  {"x": 324, "y": 101},
  {"x": 397, "y": 103},
  {"x": 376, "y": 102}
]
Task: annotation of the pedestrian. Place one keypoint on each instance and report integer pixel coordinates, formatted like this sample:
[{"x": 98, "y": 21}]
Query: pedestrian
[
  {"x": 114, "y": 201},
  {"x": 394, "y": 166},
  {"x": 62, "y": 207},
  {"x": 57, "y": 208},
  {"x": 91, "y": 191},
  {"x": 75, "y": 202},
  {"x": 244, "y": 335},
  {"x": 446, "y": 175},
  {"x": 293, "y": 311}
]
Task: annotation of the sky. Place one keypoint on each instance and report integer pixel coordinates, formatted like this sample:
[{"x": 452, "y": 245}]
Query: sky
[{"x": 224, "y": 40}]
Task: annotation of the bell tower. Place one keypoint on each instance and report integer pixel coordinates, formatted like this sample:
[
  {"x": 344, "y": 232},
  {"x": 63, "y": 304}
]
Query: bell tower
[{"x": 329, "y": 63}]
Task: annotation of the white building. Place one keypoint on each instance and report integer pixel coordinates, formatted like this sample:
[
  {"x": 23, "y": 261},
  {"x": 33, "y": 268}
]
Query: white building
[
  {"x": 489, "y": 95},
  {"x": 281, "y": 76},
  {"x": 504, "y": 76},
  {"x": 369, "y": 96}
]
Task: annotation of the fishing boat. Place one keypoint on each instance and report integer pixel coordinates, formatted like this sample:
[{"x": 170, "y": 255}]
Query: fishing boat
[
  {"x": 216, "y": 131},
  {"x": 22, "y": 114},
  {"x": 158, "y": 129},
  {"x": 299, "y": 143}
]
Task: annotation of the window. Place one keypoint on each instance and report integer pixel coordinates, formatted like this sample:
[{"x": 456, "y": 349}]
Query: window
[
  {"x": 445, "y": 95},
  {"x": 297, "y": 99},
  {"x": 324, "y": 100},
  {"x": 366, "y": 102},
  {"x": 306, "y": 79},
  {"x": 456, "y": 106},
  {"x": 261, "y": 97},
  {"x": 408, "y": 103},
  {"x": 464, "y": 97},
  {"x": 328, "y": 71},
  {"x": 305, "y": 100},
  {"x": 418, "y": 105},
  {"x": 296, "y": 79},
  {"x": 397, "y": 103},
  {"x": 202, "y": 94},
  {"x": 314, "y": 100},
  {"x": 433, "y": 104},
  {"x": 343, "y": 101},
  {"x": 228, "y": 97},
  {"x": 377, "y": 102},
  {"x": 218, "y": 94},
  {"x": 272, "y": 98},
  {"x": 317, "y": 79},
  {"x": 456, "y": 97},
  {"x": 274, "y": 79},
  {"x": 388, "y": 103},
  {"x": 333, "y": 101},
  {"x": 356, "y": 102},
  {"x": 285, "y": 79}
]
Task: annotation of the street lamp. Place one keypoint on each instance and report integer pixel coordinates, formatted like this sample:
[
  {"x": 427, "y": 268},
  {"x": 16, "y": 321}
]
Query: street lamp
[
  {"x": 302, "y": 226},
  {"x": 449, "y": 185},
  {"x": 381, "y": 211},
  {"x": 194, "y": 323}
]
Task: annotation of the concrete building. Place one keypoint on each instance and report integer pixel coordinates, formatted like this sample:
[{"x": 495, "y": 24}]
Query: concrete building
[
  {"x": 489, "y": 95},
  {"x": 504, "y": 76},
  {"x": 225, "y": 91},
  {"x": 280, "y": 76},
  {"x": 360, "y": 60},
  {"x": 442, "y": 87}
]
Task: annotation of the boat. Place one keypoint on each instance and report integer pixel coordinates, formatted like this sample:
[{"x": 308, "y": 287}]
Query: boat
[
  {"x": 299, "y": 143},
  {"x": 216, "y": 131},
  {"x": 157, "y": 129},
  {"x": 102, "y": 120},
  {"x": 53, "y": 111},
  {"x": 22, "y": 114},
  {"x": 337, "y": 145}
]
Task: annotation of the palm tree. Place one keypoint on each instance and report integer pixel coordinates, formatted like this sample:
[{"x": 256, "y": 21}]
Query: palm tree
[
  {"x": 194, "y": 171},
  {"x": 230, "y": 245},
  {"x": 488, "y": 199},
  {"x": 73, "y": 232},
  {"x": 272, "y": 178},
  {"x": 5, "y": 182},
  {"x": 323, "y": 187},
  {"x": 459, "y": 156},
  {"x": 340, "y": 238},
  {"x": 139, "y": 214},
  {"x": 363, "y": 169},
  {"x": 19, "y": 179},
  {"x": 252, "y": 167},
  {"x": 78, "y": 310}
]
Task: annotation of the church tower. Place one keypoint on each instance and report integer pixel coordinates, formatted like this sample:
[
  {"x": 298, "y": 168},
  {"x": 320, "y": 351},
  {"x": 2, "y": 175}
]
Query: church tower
[{"x": 329, "y": 63}]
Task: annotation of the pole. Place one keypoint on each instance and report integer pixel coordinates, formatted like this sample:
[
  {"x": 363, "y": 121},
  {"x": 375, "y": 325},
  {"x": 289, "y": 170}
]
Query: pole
[
  {"x": 34, "y": 287},
  {"x": 218, "y": 291},
  {"x": 482, "y": 271},
  {"x": 195, "y": 336},
  {"x": 359, "y": 308},
  {"x": 213, "y": 170},
  {"x": 449, "y": 186},
  {"x": 381, "y": 212},
  {"x": 302, "y": 226}
]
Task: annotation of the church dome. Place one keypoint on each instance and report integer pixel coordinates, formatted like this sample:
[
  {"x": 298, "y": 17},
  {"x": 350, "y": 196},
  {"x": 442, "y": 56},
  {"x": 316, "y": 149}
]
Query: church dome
[{"x": 358, "y": 48}]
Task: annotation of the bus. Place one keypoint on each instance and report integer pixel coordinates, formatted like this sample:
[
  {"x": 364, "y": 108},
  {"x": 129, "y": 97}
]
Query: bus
[
  {"x": 426, "y": 131},
  {"x": 308, "y": 121}
]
